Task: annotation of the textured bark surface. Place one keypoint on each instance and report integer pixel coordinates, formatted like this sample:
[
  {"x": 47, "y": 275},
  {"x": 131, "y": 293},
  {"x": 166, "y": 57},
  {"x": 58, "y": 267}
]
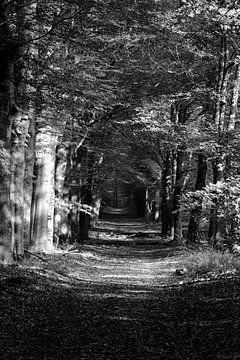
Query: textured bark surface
[
  {"x": 7, "y": 109},
  {"x": 85, "y": 219},
  {"x": 28, "y": 181},
  {"x": 180, "y": 115},
  {"x": 177, "y": 196},
  {"x": 20, "y": 130},
  {"x": 44, "y": 191},
  {"x": 96, "y": 205},
  {"x": 25, "y": 100},
  {"x": 96, "y": 190},
  {"x": 195, "y": 216},
  {"x": 216, "y": 229},
  {"x": 147, "y": 206},
  {"x": 157, "y": 205},
  {"x": 61, "y": 226},
  {"x": 234, "y": 99},
  {"x": 166, "y": 213}
]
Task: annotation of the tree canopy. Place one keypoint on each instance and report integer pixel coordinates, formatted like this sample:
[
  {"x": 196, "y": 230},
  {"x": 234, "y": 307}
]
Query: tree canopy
[{"x": 139, "y": 96}]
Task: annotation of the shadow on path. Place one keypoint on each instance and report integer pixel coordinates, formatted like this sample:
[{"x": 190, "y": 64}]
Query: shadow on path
[{"x": 105, "y": 303}]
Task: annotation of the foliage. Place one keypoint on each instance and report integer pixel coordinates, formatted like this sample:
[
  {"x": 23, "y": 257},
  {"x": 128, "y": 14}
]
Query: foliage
[
  {"x": 204, "y": 261},
  {"x": 68, "y": 205},
  {"x": 222, "y": 196}
]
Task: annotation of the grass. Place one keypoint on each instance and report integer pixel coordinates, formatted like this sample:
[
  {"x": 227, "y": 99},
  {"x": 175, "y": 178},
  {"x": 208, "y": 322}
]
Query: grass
[{"x": 204, "y": 261}]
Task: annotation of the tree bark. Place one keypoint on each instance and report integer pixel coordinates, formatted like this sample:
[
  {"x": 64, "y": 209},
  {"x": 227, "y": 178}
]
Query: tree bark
[
  {"x": 180, "y": 114},
  {"x": 84, "y": 221},
  {"x": 234, "y": 100},
  {"x": 157, "y": 205},
  {"x": 74, "y": 215},
  {"x": 147, "y": 206},
  {"x": 61, "y": 213},
  {"x": 44, "y": 190},
  {"x": 216, "y": 230},
  {"x": 20, "y": 128},
  {"x": 166, "y": 213},
  {"x": 194, "y": 221},
  {"x": 7, "y": 109},
  {"x": 96, "y": 205},
  {"x": 96, "y": 189},
  {"x": 177, "y": 217},
  {"x": 28, "y": 182},
  {"x": 25, "y": 97}
]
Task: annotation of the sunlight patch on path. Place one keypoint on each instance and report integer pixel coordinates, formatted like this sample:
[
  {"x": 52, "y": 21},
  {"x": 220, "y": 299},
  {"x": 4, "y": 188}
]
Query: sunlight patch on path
[{"x": 116, "y": 270}]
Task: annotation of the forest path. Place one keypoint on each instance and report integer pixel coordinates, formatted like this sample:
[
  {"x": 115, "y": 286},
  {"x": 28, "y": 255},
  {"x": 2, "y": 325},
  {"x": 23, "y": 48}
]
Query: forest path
[
  {"x": 115, "y": 303},
  {"x": 129, "y": 251}
]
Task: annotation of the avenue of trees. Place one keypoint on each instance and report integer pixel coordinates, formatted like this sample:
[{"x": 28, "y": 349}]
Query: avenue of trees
[{"x": 139, "y": 93}]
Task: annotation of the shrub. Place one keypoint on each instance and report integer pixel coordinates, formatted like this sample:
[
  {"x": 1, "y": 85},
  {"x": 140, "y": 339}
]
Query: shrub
[{"x": 201, "y": 262}]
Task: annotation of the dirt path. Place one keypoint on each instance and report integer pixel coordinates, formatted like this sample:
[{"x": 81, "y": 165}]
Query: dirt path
[{"x": 110, "y": 302}]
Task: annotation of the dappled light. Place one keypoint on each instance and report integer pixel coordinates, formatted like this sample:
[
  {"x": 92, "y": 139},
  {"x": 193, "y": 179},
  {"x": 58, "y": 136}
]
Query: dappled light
[{"x": 119, "y": 179}]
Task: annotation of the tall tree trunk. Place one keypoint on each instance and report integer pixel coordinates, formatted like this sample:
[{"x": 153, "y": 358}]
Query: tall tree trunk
[
  {"x": 233, "y": 114},
  {"x": 157, "y": 205},
  {"x": 44, "y": 190},
  {"x": 216, "y": 229},
  {"x": 84, "y": 221},
  {"x": 26, "y": 14},
  {"x": 96, "y": 205},
  {"x": 7, "y": 109},
  {"x": 234, "y": 99},
  {"x": 61, "y": 223},
  {"x": 180, "y": 114},
  {"x": 147, "y": 206},
  {"x": 177, "y": 197},
  {"x": 20, "y": 128},
  {"x": 28, "y": 182},
  {"x": 96, "y": 190},
  {"x": 194, "y": 221},
  {"x": 166, "y": 213},
  {"x": 222, "y": 84},
  {"x": 74, "y": 215}
]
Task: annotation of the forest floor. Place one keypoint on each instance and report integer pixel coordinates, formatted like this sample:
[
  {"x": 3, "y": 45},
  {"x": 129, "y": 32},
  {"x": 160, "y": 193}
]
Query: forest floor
[{"x": 116, "y": 298}]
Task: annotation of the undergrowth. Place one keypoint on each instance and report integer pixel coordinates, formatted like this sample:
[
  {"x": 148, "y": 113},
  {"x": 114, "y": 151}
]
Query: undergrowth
[{"x": 204, "y": 261}]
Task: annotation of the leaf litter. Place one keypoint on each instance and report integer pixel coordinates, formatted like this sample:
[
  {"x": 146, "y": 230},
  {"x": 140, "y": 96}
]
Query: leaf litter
[{"x": 116, "y": 302}]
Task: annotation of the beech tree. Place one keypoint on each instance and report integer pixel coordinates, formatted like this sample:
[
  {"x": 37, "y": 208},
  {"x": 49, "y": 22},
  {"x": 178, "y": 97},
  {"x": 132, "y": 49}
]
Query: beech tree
[
  {"x": 145, "y": 91},
  {"x": 221, "y": 21}
]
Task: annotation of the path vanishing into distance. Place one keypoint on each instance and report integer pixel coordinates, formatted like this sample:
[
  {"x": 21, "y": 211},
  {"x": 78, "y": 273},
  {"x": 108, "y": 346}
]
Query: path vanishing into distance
[{"x": 116, "y": 298}]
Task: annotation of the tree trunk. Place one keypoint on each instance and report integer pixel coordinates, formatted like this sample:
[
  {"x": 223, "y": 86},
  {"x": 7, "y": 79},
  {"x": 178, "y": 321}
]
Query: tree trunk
[
  {"x": 5, "y": 214},
  {"x": 193, "y": 225},
  {"x": 96, "y": 189},
  {"x": 61, "y": 213},
  {"x": 157, "y": 205},
  {"x": 25, "y": 96},
  {"x": 177, "y": 217},
  {"x": 44, "y": 191},
  {"x": 96, "y": 205},
  {"x": 20, "y": 130},
  {"x": 28, "y": 183},
  {"x": 7, "y": 109},
  {"x": 166, "y": 213},
  {"x": 84, "y": 221},
  {"x": 179, "y": 115},
  {"x": 74, "y": 215},
  {"x": 147, "y": 206},
  {"x": 222, "y": 84},
  {"x": 216, "y": 230},
  {"x": 234, "y": 100}
]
